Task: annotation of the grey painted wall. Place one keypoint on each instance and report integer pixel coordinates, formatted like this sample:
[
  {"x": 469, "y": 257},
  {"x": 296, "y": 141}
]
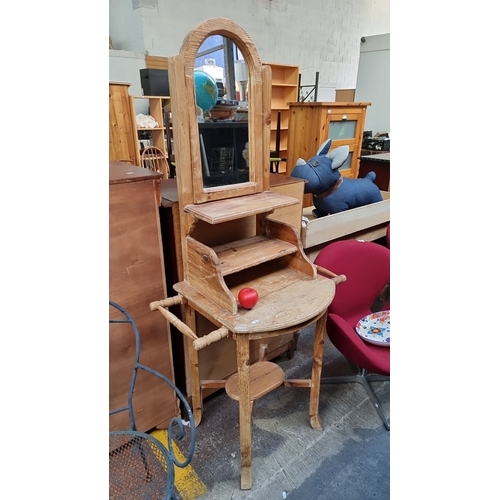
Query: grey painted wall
[
  {"x": 316, "y": 35},
  {"x": 373, "y": 82}
]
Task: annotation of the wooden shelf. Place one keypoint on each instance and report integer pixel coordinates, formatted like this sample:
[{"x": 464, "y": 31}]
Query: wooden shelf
[
  {"x": 150, "y": 97},
  {"x": 239, "y": 255},
  {"x": 264, "y": 377},
  {"x": 157, "y": 133},
  {"x": 216, "y": 212},
  {"x": 284, "y": 89}
]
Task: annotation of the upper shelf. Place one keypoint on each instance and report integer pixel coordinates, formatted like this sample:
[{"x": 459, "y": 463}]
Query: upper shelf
[
  {"x": 238, "y": 255},
  {"x": 215, "y": 212},
  {"x": 150, "y": 97}
]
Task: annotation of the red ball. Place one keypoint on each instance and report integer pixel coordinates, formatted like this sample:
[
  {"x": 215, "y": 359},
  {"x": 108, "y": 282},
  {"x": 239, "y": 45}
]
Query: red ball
[{"x": 248, "y": 297}]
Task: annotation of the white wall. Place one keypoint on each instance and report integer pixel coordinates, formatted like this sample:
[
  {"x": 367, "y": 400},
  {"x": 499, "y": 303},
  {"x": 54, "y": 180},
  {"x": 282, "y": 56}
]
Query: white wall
[
  {"x": 124, "y": 66},
  {"x": 317, "y": 35},
  {"x": 373, "y": 82}
]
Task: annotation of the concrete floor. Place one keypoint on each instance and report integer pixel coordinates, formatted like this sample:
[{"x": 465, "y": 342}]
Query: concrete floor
[{"x": 348, "y": 460}]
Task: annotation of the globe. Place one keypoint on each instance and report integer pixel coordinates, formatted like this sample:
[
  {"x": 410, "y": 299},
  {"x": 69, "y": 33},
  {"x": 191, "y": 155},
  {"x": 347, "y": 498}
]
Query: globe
[{"x": 206, "y": 91}]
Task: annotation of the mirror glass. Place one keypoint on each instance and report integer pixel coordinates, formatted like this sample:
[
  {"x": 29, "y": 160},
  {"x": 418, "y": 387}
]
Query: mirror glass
[{"x": 221, "y": 83}]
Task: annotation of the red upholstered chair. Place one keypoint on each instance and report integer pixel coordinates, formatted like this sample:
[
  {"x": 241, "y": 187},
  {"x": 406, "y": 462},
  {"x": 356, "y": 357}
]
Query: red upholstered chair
[
  {"x": 366, "y": 266},
  {"x": 388, "y": 235}
]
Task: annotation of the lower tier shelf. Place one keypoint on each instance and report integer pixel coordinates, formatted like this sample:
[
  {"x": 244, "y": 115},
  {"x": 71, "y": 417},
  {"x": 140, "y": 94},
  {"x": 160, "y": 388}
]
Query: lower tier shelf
[{"x": 264, "y": 377}]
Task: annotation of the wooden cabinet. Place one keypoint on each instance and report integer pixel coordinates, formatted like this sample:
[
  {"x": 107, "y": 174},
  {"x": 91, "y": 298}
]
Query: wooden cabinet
[
  {"x": 312, "y": 123},
  {"x": 137, "y": 277},
  {"x": 284, "y": 89},
  {"x": 155, "y": 105},
  {"x": 123, "y": 144},
  {"x": 380, "y": 164}
]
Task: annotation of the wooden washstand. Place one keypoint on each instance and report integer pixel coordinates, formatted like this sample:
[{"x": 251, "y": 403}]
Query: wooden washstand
[{"x": 228, "y": 242}]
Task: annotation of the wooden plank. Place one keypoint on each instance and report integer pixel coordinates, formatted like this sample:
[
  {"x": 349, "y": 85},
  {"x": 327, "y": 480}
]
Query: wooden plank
[
  {"x": 336, "y": 226},
  {"x": 345, "y": 95},
  {"x": 370, "y": 234},
  {"x": 156, "y": 62}
]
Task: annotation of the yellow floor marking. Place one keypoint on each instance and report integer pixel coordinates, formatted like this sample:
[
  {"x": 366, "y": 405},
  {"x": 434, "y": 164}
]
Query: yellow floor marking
[{"x": 187, "y": 482}]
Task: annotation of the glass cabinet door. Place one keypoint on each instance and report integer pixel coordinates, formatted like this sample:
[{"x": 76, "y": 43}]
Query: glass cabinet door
[
  {"x": 341, "y": 130},
  {"x": 342, "y": 127}
]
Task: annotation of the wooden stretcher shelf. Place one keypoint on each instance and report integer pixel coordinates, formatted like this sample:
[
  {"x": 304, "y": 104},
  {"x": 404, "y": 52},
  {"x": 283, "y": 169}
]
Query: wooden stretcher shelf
[{"x": 264, "y": 377}]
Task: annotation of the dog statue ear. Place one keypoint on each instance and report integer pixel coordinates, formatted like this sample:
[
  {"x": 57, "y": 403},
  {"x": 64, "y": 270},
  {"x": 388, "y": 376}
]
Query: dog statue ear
[
  {"x": 338, "y": 156},
  {"x": 323, "y": 149}
]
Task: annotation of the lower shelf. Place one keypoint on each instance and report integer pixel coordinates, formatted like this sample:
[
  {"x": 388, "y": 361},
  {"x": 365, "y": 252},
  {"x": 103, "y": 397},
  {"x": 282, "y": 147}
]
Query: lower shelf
[{"x": 264, "y": 377}]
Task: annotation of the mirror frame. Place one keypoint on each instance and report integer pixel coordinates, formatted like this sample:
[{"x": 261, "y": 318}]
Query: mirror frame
[{"x": 185, "y": 124}]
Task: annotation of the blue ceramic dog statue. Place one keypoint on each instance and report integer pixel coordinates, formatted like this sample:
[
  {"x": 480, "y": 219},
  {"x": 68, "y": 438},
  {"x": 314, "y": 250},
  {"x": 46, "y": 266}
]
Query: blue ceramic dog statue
[{"x": 333, "y": 193}]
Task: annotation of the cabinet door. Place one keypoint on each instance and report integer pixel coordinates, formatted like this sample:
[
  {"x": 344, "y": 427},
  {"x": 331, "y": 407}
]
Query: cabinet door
[
  {"x": 344, "y": 130},
  {"x": 122, "y": 141}
]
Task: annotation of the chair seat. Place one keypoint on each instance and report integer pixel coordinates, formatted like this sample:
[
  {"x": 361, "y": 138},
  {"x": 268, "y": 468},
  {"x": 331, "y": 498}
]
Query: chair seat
[
  {"x": 375, "y": 359},
  {"x": 139, "y": 467}
]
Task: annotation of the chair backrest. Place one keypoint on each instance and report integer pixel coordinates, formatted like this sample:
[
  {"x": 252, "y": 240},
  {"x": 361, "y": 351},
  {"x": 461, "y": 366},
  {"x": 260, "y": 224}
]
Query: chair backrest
[
  {"x": 366, "y": 266},
  {"x": 154, "y": 159}
]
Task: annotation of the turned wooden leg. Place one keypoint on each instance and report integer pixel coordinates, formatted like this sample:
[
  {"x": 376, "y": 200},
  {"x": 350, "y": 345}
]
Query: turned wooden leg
[
  {"x": 317, "y": 364},
  {"x": 245, "y": 407},
  {"x": 194, "y": 369}
]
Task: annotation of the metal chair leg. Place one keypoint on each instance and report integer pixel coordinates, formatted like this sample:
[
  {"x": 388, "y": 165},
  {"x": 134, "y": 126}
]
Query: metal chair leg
[{"x": 364, "y": 378}]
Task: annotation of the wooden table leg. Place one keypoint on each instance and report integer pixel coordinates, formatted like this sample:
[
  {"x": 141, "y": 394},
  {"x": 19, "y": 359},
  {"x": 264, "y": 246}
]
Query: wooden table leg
[
  {"x": 243, "y": 361},
  {"x": 317, "y": 364},
  {"x": 194, "y": 368}
]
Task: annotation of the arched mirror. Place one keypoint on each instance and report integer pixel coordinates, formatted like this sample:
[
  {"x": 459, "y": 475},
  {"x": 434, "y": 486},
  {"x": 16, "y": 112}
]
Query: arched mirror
[
  {"x": 221, "y": 79},
  {"x": 222, "y": 145}
]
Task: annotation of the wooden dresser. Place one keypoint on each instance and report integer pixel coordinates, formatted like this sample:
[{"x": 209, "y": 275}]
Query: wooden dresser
[{"x": 137, "y": 277}]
